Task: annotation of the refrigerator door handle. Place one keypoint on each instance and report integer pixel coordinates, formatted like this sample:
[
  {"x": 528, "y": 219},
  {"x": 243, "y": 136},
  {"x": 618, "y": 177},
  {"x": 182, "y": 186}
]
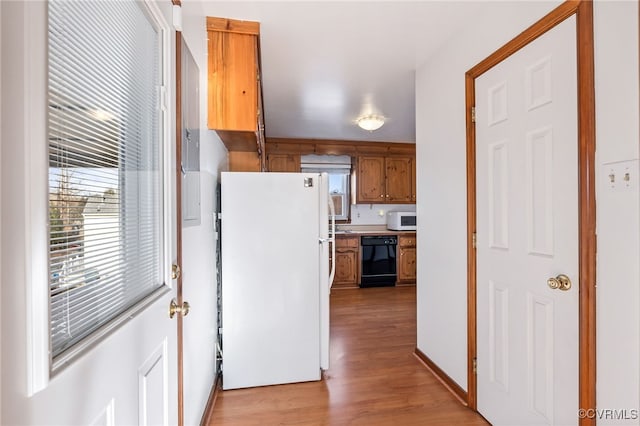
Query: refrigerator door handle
[{"x": 332, "y": 238}]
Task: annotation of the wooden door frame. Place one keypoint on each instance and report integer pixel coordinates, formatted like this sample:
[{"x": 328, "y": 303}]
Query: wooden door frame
[
  {"x": 583, "y": 10},
  {"x": 178, "y": 176}
]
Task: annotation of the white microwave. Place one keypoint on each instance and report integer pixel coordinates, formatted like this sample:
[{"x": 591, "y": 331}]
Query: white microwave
[{"x": 401, "y": 221}]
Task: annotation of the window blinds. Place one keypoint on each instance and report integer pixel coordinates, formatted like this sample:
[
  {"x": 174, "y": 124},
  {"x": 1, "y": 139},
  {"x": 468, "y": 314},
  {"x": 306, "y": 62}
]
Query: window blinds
[{"x": 105, "y": 157}]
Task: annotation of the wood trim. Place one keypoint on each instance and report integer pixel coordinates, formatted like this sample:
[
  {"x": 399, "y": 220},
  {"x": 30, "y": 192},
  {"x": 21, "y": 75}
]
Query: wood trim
[
  {"x": 338, "y": 147},
  {"x": 176, "y": 3},
  {"x": 583, "y": 9},
  {"x": 207, "y": 415},
  {"x": 471, "y": 250},
  {"x": 587, "y": 208},
  {"x": 443, "y": 377},
  {"x": 178, "y": 204},
  {"x": 233, "y": 25}
]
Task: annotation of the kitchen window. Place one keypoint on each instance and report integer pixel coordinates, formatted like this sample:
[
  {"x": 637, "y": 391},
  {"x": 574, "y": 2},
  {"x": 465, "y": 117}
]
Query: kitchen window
[
  {"x": 105, "y": 139},
  {"x": 338, "y": 167}
]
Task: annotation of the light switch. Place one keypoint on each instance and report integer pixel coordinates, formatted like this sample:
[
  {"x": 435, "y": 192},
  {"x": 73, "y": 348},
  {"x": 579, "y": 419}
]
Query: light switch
[{"x": 621, "y": 175}]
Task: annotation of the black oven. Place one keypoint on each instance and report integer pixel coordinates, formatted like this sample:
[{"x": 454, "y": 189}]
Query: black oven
[{"x": 378, "y": 260}]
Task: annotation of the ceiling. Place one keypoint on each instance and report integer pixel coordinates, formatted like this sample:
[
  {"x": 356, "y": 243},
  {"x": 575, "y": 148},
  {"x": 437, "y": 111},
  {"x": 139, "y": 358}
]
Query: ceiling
[{"x": 325, "y": 63}]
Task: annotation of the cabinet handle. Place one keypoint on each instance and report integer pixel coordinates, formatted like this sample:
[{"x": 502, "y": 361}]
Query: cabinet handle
[{"x": 381, "y": 195}]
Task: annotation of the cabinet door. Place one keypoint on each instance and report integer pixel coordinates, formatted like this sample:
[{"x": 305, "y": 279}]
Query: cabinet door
[
  {"x": 413, "y": 180},
  {"x": 343, "y": 241},
  {"x": 398, "y": 180},
  {"x": 407, "y": 240},
  {"x": 283, "y": 163},
  {"x": 346, "y": 268},
  {"x": 407, "y": 265},
  {"x": 371, "y": 180},
  {"x": 233, "y": 95}
]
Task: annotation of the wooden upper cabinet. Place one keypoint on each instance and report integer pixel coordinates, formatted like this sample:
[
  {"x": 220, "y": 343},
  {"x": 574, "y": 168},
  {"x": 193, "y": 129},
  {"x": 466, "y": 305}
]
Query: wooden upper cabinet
[
  {"x": 398, "y": 180},
  {"x": 385, "y": 180},
  {"x": 234, "y": 91},
  {"x": 371, "y": 180},
  {"x": 233, "y": 76},
  {"x": 283, "y": 163}
]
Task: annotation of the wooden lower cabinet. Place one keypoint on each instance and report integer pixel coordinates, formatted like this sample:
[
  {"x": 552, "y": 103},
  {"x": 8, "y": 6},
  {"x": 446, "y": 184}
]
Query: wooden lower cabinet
[
  {"x": 347, "y": 262},
  {"x": 407, "y": 259}
]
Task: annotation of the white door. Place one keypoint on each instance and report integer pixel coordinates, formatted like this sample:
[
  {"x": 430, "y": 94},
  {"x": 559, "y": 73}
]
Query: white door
[
  {"x": 127, "y": 377},
  {"x": 527, "y": 232}
]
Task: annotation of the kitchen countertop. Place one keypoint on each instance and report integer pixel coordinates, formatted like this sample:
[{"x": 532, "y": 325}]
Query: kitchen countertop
[{"x": 367, "y": 230}]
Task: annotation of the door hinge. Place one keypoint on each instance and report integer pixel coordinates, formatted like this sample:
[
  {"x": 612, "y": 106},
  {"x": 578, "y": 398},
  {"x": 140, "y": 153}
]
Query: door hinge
[
  {"x": 474, "y": 240},
  {"x": 475, "y": 366},
  {"x": 175, "y": 272},
  {"x": 473, "y": 114}
]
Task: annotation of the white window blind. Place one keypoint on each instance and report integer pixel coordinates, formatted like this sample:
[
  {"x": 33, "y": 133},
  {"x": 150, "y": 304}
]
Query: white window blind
[{"x": 105, "y": 165}]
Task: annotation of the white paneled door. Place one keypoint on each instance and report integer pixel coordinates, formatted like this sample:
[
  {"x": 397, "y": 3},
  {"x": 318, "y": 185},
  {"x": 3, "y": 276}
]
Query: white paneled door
[
  {"x": 527, "y": 234},
  {"x": 128, "y": 376}
]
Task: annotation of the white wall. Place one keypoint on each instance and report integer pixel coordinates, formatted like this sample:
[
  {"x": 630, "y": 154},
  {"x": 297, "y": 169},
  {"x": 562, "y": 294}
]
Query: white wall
[
  {"x": 441, "y": 176},
  {"x": 199, "y": 242},
  {"x": 1, "y": 38},
  {"x": 441, "y": 180},
  {"x": 618, "y": 212},
  {"x": 376, "y": 214}
]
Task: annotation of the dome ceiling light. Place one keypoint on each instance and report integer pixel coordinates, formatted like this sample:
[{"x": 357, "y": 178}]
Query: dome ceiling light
[{"x": 370, "y": 122}]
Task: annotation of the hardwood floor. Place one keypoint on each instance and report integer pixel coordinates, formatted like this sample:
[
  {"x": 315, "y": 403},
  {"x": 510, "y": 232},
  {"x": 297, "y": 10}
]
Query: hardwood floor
[{"x": 374, "y": 378}]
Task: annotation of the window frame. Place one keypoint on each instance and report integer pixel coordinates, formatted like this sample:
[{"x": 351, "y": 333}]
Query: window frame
[
  {"x": 346, "y": 203},
  {"x": 332, "y": 165}
]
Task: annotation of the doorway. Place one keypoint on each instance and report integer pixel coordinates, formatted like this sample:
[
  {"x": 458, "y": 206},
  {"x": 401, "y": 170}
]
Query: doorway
[{"x": 585, "y": 280}]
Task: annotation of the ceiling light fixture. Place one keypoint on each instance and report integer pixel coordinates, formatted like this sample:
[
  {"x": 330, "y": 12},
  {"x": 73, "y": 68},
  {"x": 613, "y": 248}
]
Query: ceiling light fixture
[{"x": 370, "y": 122}]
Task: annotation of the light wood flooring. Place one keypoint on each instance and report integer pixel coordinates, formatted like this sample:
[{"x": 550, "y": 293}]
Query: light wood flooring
[{"x": 374, "y": 378}]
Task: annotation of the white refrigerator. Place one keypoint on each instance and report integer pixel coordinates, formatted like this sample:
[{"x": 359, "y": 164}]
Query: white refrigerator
[{"x": 276, "y": 277}]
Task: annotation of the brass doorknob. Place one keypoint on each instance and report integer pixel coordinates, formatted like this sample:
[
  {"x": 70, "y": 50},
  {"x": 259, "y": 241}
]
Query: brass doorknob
[
  {"x": 561, "y": 282},
  {"x": 174, "y": 308}
]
